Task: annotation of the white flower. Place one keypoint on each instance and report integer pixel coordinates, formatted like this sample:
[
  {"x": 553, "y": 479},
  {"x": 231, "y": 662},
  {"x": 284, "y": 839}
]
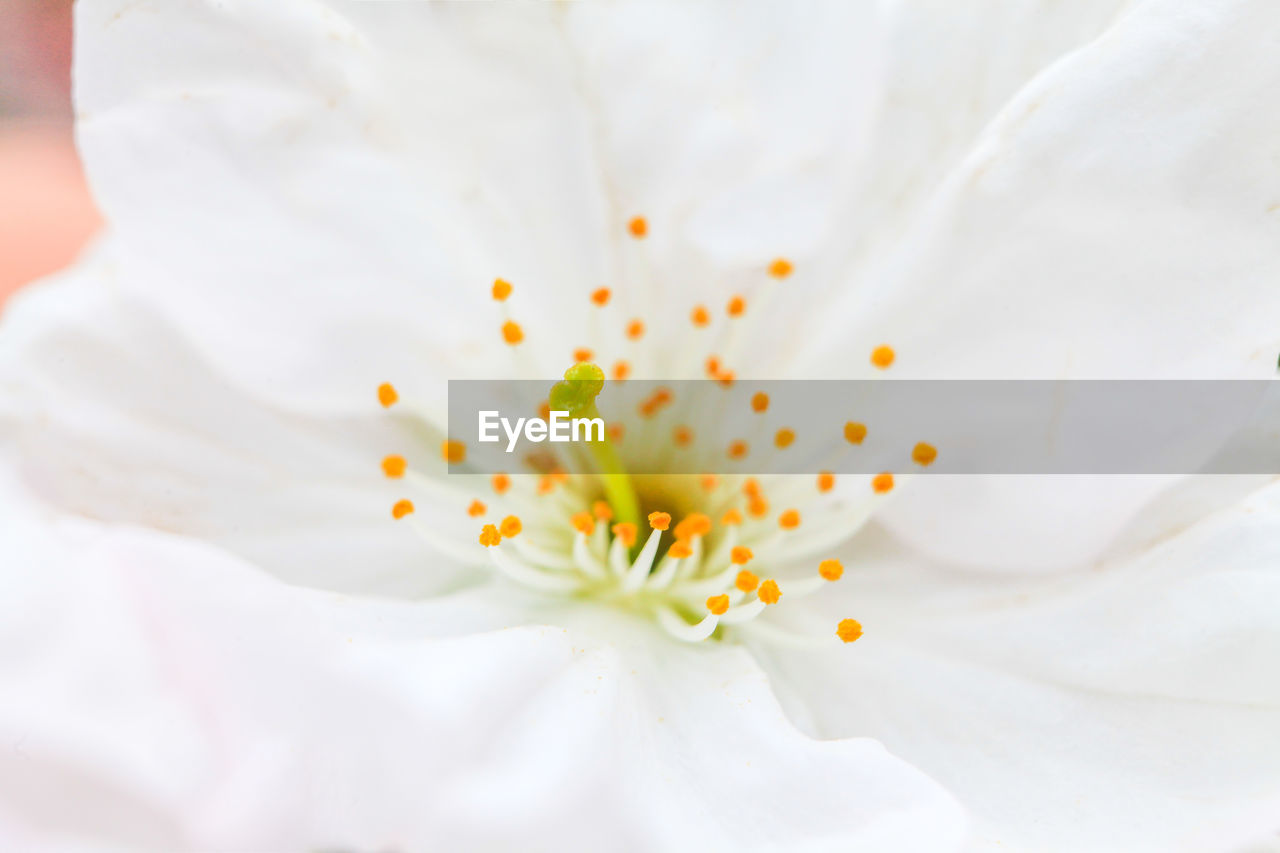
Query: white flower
[{"x": 307, "y": 200}]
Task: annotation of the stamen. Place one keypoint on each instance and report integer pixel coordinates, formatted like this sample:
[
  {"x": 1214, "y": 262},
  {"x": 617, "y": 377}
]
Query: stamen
[
  {"x": 602, "y": 511},
  {"x": 784, "y": 438},
  {"x": 718, "y": 604},
  {"x": 849, "y": 630},
  {"x": 394, "y": 466},
  {"x": 501, "y": 482},
  {"x": 780, "y": 268},
  {"x": 682, "y": 436},
  {"x": 736, "y": 306},
  {"x": 512, "y": 333},
  {"x": 757, "y": 506},
  {"x": 511, "y": 527},
  {"x": 740, "y": 555},
  {"x": 709, "y": 482},
  {"x": 769, "y": 592},
  {"x": 501, "y": 289},
  {"x": 635, "y": 329},
  {"x": 731, "y": 518},
  {"x": 700, "y": 316},
  {"x": 387, "y": 395},
  {"x": 924, "y": 454},
  {"x": 789, "y": 520},
  {"x": 713, "y": 366},
  {"x": 659, "y": 520},
  {"x": 746, "y": 581},
  {"x": 489, "y": 536},
  {"x": 854, "y": 432},
  {"x": 626, "y": 532},
  {"x": 453, "y": 451},
  {"x": 826, "y": 481},
  {"x": 638, "y": 227},
  {"x": 621, "y": 371},
  {"x": 600, "y": 297},
  {"x": 759, "y": 402},
  {"x": 882, "y": 483},
  {"x": 401, "y": 509},
  {"x": 882, "y": 356},
  {"x": 832, "y": 570},
  {"x": 738, "y": 449},
  {"x": 477, "y": 509},
  {"x": 582, "y": 354},
  {"x": 680, "y": 549},
  {"x": 584, "y": 522}
]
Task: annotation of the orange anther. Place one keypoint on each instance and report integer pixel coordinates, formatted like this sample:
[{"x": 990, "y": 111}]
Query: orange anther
[
  {"x": 854, "y": 432},
  {"x": 544, "y": 410},
  {"x": 731, "y": 517},
  {"x": 582, "y": 354},
  {"x": 600, "y": 296},
  {"x": 694, "y": 524},
  {"x": 659, "y": 520},
  {"x": 501, "y": 482},
  {"x": 394, "y": 466},
  {"x": 769, "y": 592},
  {"x": 738, "y": 449},
  {"x": 680, "y": 549},
  {"x": 453, "y": 451},
  {"x": 713, "y": 366},
  {"x": 736, "y": 306},
  {"x": 511, "y": 526},
  {"x": 759, "y": 402},
  {"x": 583, "y": 522},
  {"x": 780, "y": 268},
  {"x": 757, "y": 506},
  {"x": 387, "y": 395},
  {"x": 501, "y": 289},
  {"x": 746, "y": 581},
  {"x": 725, "y": 378},
  {"x": 638, "y": 227},
  {"x": 882, "y": 483},
  {"x": 849, "y": 630},
  {"x": 489, "y": 536},
  {"x": 477, "y": 509},
  {"x": 718, "y": 604},
  {"x": 700, "y": 316},
  {"x": 626, "y": 532},
  {"x": 789, "y": 520},
  {"x": 635, "y": 329},
  {"x": 709, "y": 482},
  {"x": 826, "y": 481},
  {"x": 751, "y": 487},
  {"x": 924, "y": 454},
  {"x": 882, "y": 356},
  {"x": 512, "y": 333},
  {"x": 740, "y": 555},
  {"x": 621, "y": 371},
  {"x": 602, "y": 511},
  {"x": 831, "y": 569},
  {"x": 616, "y": 430},
  {"x": 401, "y": 509},
  {"x": 682, "y": 435},
  {"x": 784, "y": 438}
]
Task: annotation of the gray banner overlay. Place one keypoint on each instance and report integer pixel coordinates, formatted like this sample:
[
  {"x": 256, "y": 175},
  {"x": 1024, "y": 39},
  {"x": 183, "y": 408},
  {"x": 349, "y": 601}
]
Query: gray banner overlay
[{"x": 976, "y": 427}]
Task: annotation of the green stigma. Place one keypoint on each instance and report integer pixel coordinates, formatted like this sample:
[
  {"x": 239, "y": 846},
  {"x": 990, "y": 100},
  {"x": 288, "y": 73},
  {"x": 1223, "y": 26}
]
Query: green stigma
[{"x": 577, "y": 395}]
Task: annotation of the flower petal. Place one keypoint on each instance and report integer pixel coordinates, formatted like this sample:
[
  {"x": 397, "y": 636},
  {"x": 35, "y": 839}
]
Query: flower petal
[
  {"x": 1133, "y": 707},
  {"x": 1117, "y": 220},
  {"x": 164, "y": 695}
]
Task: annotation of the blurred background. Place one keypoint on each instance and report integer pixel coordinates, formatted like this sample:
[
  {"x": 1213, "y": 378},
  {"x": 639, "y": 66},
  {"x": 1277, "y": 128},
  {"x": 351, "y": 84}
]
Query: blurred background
[{"x": 46, "y": 214}]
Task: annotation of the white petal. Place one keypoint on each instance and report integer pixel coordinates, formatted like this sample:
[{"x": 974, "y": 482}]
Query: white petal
[
  {"x": 1134, "y": 707},
  {"x": 120, "y": 419},
  {"x": 1118, "y": 220},
  {"x": 162, "y": 695}
]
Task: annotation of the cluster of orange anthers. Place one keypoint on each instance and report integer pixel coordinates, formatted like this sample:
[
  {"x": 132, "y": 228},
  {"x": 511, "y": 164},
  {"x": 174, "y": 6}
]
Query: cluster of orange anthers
[{"x": 708, "y": 575}]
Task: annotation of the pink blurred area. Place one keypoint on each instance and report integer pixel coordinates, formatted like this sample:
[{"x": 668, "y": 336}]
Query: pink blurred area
[{"x": 46, "y": 212}]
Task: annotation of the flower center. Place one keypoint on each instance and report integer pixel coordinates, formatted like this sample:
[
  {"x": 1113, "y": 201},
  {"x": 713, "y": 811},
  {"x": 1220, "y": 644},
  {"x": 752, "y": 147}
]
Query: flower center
[{"x": 703, "y": 555}]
